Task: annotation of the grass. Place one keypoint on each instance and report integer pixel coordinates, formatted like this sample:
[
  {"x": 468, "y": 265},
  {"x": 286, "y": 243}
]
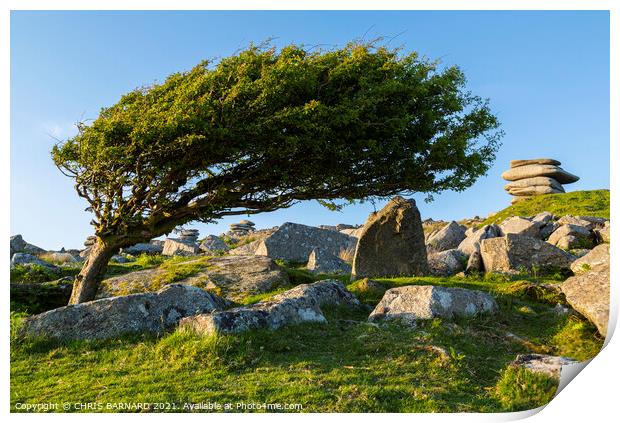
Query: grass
[
  {"x": 347, "y": 365},
  {"x": 578, "y": 203}
]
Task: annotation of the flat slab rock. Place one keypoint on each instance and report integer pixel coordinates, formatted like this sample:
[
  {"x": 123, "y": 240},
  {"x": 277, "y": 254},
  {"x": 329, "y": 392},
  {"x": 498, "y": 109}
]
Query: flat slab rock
[
  {"x": 410, "y": 303},
  {"x": 152, "y": 312},
  {"x": 517, "y": 163},
  {"x": 298, "y": 305},
  {"x": 546, "y": 364},
  {"x": 536, "y": 170}
]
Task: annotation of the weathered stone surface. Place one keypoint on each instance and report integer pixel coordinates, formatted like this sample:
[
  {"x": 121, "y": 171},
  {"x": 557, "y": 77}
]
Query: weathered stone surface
[
  {"x": 213, "y": 244},
  {"x": 298, "y": 305},
  {"x": 180, "y": 247},
  {"x": 392, "y": 242},
  {"x": 588, "y": 294},
  {"x": 110, "y": 317},
  {"x": 474, "y": 263},
  {"x": 472, "y": 243},
  {"x": 356, "y": 232},
  {"x": 576, "y": 221},
  {"x": 546, "y": 364},
  {"x": 447, "y": 238},
  {"x": 29, "y": 260},
  {"x": 597, "y": 257},
  {"x": 234, "y": 277},
  {"x": 517, "y": 163},
  {"x": 597, "y": 222},
  {"x": 534, "y": 170},
  {"x": 602, "y": 234},
  {"x": 541, "y": 181},
  {"x": 534, "y": 190},
  {"x": 17, "y": 244},
  {"x": 60, "y": 258},
  {"x": 294, "y": 242},
  {"x": 571, "y": 236},
  {"x": 411, "y": 303},
  {"x": 446, "y": 263},
  {"x": 514, "y": 253},
  {"x": 319, "y": 262},
  {"x": 144, "y": 248},
  {"x": 249, "y": 248},
  {"x": 549, "y": 228},
  {"x": 521, "y": 226},
  {"x": 543, "y": 217}
]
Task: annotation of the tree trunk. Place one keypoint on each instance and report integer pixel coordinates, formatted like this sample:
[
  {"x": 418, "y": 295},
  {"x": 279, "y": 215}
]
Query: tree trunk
[{"x": 87, "y": 281}]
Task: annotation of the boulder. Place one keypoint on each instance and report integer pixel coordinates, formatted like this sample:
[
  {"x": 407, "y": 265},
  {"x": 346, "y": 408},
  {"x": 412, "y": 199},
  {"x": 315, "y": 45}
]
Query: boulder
[
  {"x": 30, "y": 260},
  {"x": 472, "y": 243},
  {"x": 180, "y": 247},
  {"x": 570, "y": 236},
  {"x": 447, "y": 238},
  {"x": 60, "y": 258},
  {"x": 411, "y": 303},
  {"x": 516, "y": 253},
  {"x": 534, "y": 170},
  {"x": 319, "y": 262},
  {"x": 392, "y": 242},
  {"x": 543, "y": 217},
  {"x": 17, "y": 244},
  {"x": 576, "y": 221},
  {"x": 548, "y": 229},
  {"x": 446, "y": 263},
  {"x": 353, "y": 232},
  {"x": 294, "y": 242},
  {"x": 588, "y": 294},
  {"x": 597, "y": 257},
  {"x": 110, "y": 317},
  {"x": 474, "y": 264},
  {"x": 602, "y": 234},
  {"x": 541, "y": 181},
  {"x": 298, "y": 305},
  {"x": 517, "y": 163},
  {"x": 143, "y": 248},
  {"x": 521, "y": 226},
  {"x": 597, "y": 222},
  {"x": 213, "y": 244},
  {"x": 546, "y": 364},
  {"x": 249, "y": 248}
]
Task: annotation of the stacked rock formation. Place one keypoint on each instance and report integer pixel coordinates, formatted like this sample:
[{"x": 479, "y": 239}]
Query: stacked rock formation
[
  {"x": 536, "y": 177},
  {"x": 189, "y": 235},
  {"x": 242, "y": 228}
]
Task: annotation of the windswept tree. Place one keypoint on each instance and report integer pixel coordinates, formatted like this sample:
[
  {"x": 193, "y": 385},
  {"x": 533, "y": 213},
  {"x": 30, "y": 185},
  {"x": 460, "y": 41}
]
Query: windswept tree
[{"x": 267, "y": 128}]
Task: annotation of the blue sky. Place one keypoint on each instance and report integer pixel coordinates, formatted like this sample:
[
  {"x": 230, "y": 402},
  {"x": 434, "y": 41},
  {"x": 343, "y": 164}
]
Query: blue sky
[{"x": 546, "y": 74}]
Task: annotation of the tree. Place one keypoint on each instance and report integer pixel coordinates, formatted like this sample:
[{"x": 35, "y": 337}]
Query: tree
[{"x": 266, "y": 128}]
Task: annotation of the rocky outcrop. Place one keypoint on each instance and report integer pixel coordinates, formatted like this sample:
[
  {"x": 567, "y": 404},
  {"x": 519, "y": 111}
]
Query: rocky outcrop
[
  {"x": 213, "y": 245},
  {"x": 392, "y": 242},
  {"x": 472, "y": 242},
  {"x": 474, "y": 264},
  {"x": 242, "y": 228},
  {"x": 410, "y": 303},
  {"x": 521, "y": 226},
  {"x": 595, "y": 258},
  {"x": 545, "y": 364},
  {"x": 294, "y": 242},
  {"x": 588, "y": 294},
  {"x": 249, "y": 248},
  {"x": 446, "y": 263},
  {"x": 148, "y": 248},
  {"x": 111, "y": 317},
  {"x": 516, "y": 253},
  {"x": 447, "y": 238},
  {"x": 602, "y": 234},
  {"x": 570, "y": 236},
  {"x": 319, "y": 262},
  {"x": 298, "y": 305},
  {"x": 536, "y": 177},
  {"x": 19, "y": 245},
  {"x": 180, "y": 247},
  {"x": 26, "y": 259}
]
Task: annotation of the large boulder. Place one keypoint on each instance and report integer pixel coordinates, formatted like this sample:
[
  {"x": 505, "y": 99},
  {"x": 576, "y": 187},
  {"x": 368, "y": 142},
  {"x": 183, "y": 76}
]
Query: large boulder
[
  {"x": 17, "y": 244},
  {"x": 570, "y": 236},
  {"x": 298, "y": 305},
  {"x": 392, "y": 242},
  {"x": 576, "y": 221},
  {"x": 294, "y": 242},
  {"x": 535, "y": 170},
  {"x": 319, "y": 262},
  {"x": 545, "y": 364},
  {"x": 588, "y": 294},
  {"x": 149, "y": 248},
  {"x": 213, "y": 245},
  {"x": 446, "y": 263},
  {"x": 515, "y": 253},
  {"x": 472, "y": 242},
  {"x": 411, "y": 303},
  {"x": 474, "y": 263},
  {"x": 602, "y": 234},
  {"x": 447, "y": 238},
  {"x": 30, "y": 260},
  {"x": 521, "y": 226},
  {"x": 180, "y": 247},
  {"x": 111, "y": 317},
  {"x": 595, "y": 258},
  {"x": 245, "y": 249}
]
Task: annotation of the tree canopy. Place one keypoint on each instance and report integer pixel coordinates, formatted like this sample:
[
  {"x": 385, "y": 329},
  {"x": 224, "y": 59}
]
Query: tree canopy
[{"x": 268, "y": 127}]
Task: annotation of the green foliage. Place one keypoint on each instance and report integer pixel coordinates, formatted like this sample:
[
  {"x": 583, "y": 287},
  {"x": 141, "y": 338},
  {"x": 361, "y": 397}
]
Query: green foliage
[
  {"x": 578, "y": 203},
  {"x": 34, "y": 273},
  {"x": 247, "y": 134},
  {"x": 520, "y": 389}
]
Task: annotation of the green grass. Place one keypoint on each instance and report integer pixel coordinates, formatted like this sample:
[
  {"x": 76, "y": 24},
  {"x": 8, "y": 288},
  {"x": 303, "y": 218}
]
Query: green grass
[
  {"x": 346, "y": 365},
  {"x": 578, "y": 203}
]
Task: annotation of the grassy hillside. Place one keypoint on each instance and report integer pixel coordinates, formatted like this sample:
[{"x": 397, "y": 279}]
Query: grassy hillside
[
  {"x": 345, "y": 365},
  {"x": 578, "y": 203}
]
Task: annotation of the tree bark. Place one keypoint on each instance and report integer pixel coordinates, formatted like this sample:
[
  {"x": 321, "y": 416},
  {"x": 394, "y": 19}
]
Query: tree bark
[{"x": 87, "y": 281}]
